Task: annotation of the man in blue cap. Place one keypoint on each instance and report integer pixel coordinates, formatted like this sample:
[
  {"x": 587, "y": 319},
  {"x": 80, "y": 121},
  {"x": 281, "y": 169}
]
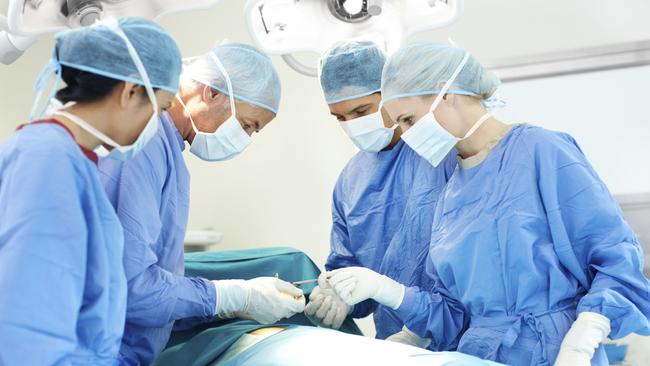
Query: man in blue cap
[{"x": 383, "y": 199}]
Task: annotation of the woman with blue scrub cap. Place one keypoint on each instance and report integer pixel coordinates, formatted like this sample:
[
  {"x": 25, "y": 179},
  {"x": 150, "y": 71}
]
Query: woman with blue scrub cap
[
  {"x": 380, "y": 196},
  {"x": 525, "y": 235},
  {"x": 61, "y": 271},
  {"x": 225, "y": 96}
]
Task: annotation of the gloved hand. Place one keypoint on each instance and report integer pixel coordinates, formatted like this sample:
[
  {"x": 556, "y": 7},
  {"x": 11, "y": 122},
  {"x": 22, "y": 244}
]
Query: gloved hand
[
  {"x": 582, "y": 340},
  {"x": 264, "y": 299},
  {"x": 325, "y": 307},
  {"x": 405, "y": 336},
  {"x": 356, "y": 284}
]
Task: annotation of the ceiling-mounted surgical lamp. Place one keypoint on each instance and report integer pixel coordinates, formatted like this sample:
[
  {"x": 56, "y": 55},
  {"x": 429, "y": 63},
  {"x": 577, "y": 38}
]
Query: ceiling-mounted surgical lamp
[
  {"x": 284, "y": 27},
  {"x": 27, "y": 19},
  {"x": 11, "y": 45}
]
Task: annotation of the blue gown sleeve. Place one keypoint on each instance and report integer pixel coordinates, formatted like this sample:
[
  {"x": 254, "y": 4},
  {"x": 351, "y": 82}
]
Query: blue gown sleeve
[
  {"x": 586, "y": 221},
  {"x": 341, "y": 255},
  {"x": 434, "y": 313},
  {"x": 43, "y": 256},
  {"x": 156, "y": 296}
]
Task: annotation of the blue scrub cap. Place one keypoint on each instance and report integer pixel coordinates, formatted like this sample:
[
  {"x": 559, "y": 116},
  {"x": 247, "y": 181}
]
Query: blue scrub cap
[
  {"x": 422, "y": 68},
  {"x": 350, "y": 70},
  {"x": 253, "y": 77},
  {"x": 99, "y": 50}
]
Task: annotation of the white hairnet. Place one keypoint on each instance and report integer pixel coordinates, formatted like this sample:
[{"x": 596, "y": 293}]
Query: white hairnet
[
  {"x": 423, "y": 68},
  {"x": 253, "y": 77}
]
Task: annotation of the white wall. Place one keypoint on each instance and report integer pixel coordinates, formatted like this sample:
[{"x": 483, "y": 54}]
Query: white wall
[
  {"x": 607, "y": 112},
  {"x": 278, "y": 192}
]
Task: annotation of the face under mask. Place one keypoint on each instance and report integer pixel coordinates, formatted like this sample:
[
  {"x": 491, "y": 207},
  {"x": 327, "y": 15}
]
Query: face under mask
[
  {"x": 428, "y": 138},
  {"x": 368, "y": 132},
  {"x": 229, "y": 140},
  {"x": 118, "y": 151}
]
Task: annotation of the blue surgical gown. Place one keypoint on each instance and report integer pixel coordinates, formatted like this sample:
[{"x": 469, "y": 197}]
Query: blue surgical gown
[
  {"x": 382, "y": 212},
  {"x": 525, "y": 241},
  {"x": 62, "y": 284},
  {"x": 151, "y": 196}
]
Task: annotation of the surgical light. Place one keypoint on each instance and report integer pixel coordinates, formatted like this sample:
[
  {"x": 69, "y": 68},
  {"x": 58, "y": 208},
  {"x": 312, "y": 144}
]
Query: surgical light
[
  {"x": 285, "y": 27},
  {"x": 28, "y": 19}
]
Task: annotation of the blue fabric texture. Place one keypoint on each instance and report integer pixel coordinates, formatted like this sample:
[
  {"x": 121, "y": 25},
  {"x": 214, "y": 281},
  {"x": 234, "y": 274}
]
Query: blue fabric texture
[
  {"x": 521, "y": 244},
  {"x": 150, "y": 194},
  {"x": 350, "y": 70},
  {"x": 252, "y": 74},
  {"x": 61, "y": 277},
  {"x": 97, "y": 49},
  {"x": 382, "y": 212},
  {"x": 422, "y": 68}
]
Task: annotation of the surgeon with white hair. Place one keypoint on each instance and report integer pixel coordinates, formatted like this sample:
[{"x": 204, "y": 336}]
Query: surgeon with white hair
[{"x": 225, "y": 96}]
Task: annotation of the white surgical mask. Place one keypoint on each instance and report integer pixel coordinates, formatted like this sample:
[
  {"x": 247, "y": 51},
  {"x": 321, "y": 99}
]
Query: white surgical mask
[
  {"x": 229, "y": 140},
  {"x": 368, "y": 132},
  {"x": 428, "y": 138},
  {"x": 118, "y": 151}
]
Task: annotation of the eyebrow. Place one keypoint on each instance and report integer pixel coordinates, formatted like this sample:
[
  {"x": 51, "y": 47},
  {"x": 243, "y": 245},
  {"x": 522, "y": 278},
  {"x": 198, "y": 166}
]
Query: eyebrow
[
  {"x": 360, "y": 107},
  {"x": 401, "y": 116},
  {"x": 253, "y": 122}
]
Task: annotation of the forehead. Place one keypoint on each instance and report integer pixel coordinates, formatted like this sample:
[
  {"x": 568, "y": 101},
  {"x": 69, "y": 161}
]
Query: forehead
[
  {"x": 348, "y": 106},
  {"x": 257, "y": 113},
  {"x": 400, "y": 106}
]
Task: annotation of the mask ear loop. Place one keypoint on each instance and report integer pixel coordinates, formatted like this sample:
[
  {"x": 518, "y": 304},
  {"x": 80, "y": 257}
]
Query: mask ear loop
[
  {"x": 228, "y": 82},
  {"x": 447, "y": 85},
  {"x": 50, "y": 70},
  {"x": 189, "y": 115},
  {"x": 113, "y": 25}
]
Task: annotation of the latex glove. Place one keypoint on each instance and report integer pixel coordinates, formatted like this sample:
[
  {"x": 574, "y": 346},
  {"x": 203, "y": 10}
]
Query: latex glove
[
  {"x": 325, "y": 308},
  {"x": 405, "y": 336},
  {"x": 264, "y": 299},
  {"x": 582, "y": 339},
  {"x": 356, "y": 284}
]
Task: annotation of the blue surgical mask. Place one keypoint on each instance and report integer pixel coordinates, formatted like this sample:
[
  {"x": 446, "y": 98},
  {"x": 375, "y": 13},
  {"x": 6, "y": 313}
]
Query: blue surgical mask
[
  {"x": 118, "y": 151},
  {"x": 368, "y": 133},
  {"x": 229, "y": 140},
  {"x": 428, "y": 138}
]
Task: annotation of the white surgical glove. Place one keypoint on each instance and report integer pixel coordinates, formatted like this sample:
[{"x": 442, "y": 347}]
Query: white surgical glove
[
  {"x": 405, "y": 336},
  {"x": 264, "y": 299},
  {"x": 325, "y": 307},
  {"x": 356, "y": 284},
  {"x": 582, "y": 340}
]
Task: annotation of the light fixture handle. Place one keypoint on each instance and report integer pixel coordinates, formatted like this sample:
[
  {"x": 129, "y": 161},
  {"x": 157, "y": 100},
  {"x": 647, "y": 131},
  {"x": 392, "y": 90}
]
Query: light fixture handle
[{"x": 299, "y": 66}]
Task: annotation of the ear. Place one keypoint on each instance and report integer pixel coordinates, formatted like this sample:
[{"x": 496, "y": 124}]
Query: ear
[
  {"x": 449, "y": 99},
  {"x": 209, "y": 95},
  {"x": 128, "y": 94}
]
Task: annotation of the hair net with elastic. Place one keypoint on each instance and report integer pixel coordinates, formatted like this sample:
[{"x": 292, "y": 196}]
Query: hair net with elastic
[
  {"x": 422, "y": 68},
  {"x": 98, "y": 50},
  {"x": 350, "y": 70},
  {"x": 253, "y": 77}
]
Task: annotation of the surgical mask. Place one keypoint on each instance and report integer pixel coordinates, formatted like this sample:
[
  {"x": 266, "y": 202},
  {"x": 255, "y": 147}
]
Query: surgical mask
[
  {"x": 428, "y": 138},
  {"x": 118, "y": 151},
  {"x": 229, "y": 140},
  {"x": 368, "y": 132}
]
